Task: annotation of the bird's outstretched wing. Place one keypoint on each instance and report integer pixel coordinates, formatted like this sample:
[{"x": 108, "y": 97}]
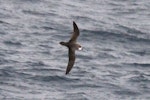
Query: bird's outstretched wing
[
  {"x": 75, "y": 33},
  {"x": 71, "y": 55}
]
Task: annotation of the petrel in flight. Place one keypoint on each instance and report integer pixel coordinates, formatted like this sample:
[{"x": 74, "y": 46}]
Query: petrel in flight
[{"x": 72, "y": 46}]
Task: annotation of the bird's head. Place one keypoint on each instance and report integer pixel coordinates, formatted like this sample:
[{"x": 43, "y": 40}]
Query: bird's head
[{"x": 62, "y": 43}]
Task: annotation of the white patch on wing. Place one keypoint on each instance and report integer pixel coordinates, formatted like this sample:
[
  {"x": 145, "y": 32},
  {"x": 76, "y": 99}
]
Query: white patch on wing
[{"x": 80, "y": 48}]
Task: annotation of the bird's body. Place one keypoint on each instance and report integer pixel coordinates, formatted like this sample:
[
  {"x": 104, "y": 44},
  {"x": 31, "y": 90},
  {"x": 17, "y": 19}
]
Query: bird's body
[{"x": 72, "y": 46}]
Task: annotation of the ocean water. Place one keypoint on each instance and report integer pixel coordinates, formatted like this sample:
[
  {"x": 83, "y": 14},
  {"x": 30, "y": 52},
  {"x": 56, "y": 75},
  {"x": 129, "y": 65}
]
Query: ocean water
[{"x": 114, "y": 63}]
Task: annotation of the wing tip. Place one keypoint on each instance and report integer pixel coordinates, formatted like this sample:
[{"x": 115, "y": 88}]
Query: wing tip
[
  {"x": 74, "y": 23},
  {"x": 67, "y": 71},
  {"x": 76, "y": 29}
]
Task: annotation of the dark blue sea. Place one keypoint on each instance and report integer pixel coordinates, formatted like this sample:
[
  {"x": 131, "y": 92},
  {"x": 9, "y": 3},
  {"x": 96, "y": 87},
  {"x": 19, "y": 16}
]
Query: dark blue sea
[{"x": 113, "y": 65}]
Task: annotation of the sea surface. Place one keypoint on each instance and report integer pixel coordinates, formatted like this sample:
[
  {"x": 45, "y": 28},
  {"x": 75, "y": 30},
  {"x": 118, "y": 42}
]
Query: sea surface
[{"x": 113, "y": 65}]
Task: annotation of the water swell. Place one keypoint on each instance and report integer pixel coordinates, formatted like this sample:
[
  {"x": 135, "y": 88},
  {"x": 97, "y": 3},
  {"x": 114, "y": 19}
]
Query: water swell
[
  {"x": 54, "y": 78},
  {"x": 127, "y": 92},
  {"x": 117, "y": 36},
  {"x": 141, "y": 52},
  {"x": 144, "y": 65},
  {"x": 37, "y": 13},
  {"x": 13, "y": 43},
  {"x": 140, "y": 78}
]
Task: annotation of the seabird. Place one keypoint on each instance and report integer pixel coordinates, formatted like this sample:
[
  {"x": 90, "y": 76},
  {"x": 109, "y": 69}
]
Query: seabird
[{"x": 72, "y": 46}]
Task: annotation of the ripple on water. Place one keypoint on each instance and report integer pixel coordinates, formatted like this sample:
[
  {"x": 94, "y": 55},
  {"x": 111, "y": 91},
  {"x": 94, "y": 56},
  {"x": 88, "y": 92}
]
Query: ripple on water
[
  {"x": 141, "y": 52},
  {"x": 54, "y": 78},
  {"x": 127, "y": 92},
  {"x": 140, "y": 78},
  {"x": 12, "y": 43},
  {"x": 142, "y": 65}
]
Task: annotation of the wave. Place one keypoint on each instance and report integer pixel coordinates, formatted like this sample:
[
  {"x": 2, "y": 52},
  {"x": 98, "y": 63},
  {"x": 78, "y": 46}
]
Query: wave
[
  {"x": 141, "y": 52},
  {"x": 127, "y": 92},
  {"x": 137, "y": 64},
  {"x": 54, "y": 78},
  {"x": 36, "y": 13},
  {"x": 117, "y": 36},
  {"x": 12, "y": 43}
]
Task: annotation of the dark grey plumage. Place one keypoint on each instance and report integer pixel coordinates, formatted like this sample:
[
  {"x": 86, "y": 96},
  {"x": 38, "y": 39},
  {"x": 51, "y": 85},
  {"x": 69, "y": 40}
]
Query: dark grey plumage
[{"x": 72, "y": 46}]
